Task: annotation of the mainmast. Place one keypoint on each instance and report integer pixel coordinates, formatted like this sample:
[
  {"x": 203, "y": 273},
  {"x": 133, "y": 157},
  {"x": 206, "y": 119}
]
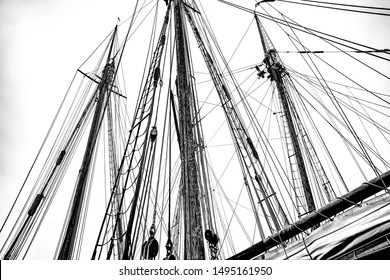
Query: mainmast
[
  {"x": 276, "y": 70},
  {"x": 193, "y": 233}
]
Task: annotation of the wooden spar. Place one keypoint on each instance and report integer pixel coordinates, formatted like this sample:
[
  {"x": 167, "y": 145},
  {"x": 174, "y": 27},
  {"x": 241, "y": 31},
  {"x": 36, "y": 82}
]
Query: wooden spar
[
  {"x": 72, "y": 225},
  {"x": 193, "y": 232},
  {"x": 340, "y": 204},
  {"x": 275, "y": 69}
]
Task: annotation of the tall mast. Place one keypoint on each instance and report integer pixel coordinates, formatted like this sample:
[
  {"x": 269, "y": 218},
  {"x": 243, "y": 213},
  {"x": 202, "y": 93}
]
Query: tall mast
[
  {"x": 193, "y": 240},
  {"x": 103, "y": 89},
  {"x": 276, "y": 70}
]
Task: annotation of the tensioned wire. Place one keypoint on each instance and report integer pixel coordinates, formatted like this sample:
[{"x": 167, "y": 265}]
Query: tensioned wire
[
  {"x": 340, "y": 50},
  {"x": 309, "y": 30},
  {"x": 349, "y": 5},
  {"x": 360, "y": 115},
  {"x": 340, "y": 9},
  {"x": 312, "y": 80}
]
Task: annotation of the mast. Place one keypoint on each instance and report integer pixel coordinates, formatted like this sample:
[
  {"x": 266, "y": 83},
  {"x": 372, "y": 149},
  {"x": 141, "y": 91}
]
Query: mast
[
  {"x": 68, "y": 242},
  {"x": 193, "y": 233},
  {"x": 276, "y": 70}
]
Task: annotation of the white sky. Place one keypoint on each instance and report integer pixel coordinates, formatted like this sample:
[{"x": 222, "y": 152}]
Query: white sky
[{"x": 44, "y": 42}]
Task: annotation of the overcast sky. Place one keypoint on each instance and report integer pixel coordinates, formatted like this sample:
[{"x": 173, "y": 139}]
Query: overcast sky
[{"x": 44, "y": 42}]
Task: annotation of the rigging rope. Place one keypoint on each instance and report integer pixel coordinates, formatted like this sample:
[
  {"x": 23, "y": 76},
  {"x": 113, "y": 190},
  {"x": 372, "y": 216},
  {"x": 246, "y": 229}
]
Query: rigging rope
[
  {"x": 348, "y": 5},
  {"x": 334, "y": 8},
  {"x": 39, "y": 152},
  {"x": 306, "y": 29}
]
